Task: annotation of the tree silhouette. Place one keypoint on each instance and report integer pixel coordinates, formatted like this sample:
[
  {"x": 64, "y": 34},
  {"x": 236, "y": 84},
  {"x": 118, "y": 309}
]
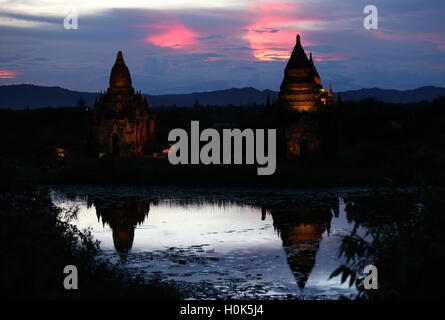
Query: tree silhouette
[
  {"x": 268, "y": 101},
  {"x": 196, "y": 104},
  {"x": 81, "y": 102}
]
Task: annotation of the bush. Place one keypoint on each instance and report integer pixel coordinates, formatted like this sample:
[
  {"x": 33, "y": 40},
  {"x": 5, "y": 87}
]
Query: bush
[
  {"x": 407, "y": 246},
  {"x": 37, "y": 242}
]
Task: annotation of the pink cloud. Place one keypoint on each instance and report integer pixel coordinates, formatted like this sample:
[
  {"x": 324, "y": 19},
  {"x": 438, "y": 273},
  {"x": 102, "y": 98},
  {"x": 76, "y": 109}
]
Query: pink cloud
[
  {"x": 8, "y": 74},
  {"x": 173, "y": 34},
  {"x": 325, "y": 57},
  {"x": 392, "y": 36},
  {"x": 210, "y": 59},
  {"x": 438, "y": 67},
  {"x": 266, "y": 29},
  {"x": 175, "y": 31},
  {"x": 274, "y": 27},
  {"x": 436, "y": 38}
]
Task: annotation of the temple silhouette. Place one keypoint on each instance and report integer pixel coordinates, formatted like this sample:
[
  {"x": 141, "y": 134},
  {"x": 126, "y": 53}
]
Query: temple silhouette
[
  {"x": 121, "y": 123},
  {"x": 303, "y": 111}
]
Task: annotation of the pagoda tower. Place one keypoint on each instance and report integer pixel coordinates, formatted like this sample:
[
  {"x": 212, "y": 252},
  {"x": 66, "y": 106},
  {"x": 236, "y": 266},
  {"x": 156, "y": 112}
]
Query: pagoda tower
[
  {"x": 121, "y": 123},
  {"x": 300, "y": 102}
]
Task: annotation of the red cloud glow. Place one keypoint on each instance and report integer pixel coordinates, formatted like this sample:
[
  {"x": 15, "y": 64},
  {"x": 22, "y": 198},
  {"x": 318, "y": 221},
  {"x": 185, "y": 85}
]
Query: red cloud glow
[
  {"x": 324, "y": 57},
  {"x": 274, "y": 29},
  {"x": 173, "y": 35},
  {"x": 268, "y": 32},
  {"x": 8, "y": 74},
  {"x": 435, "y": 38}
]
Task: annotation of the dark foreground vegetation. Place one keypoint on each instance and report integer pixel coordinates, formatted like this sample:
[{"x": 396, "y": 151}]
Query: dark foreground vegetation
[
  {"x": 378, "y": 144},
  {"x": 405, "y": 241},
  {"x": 37, "y": 242}
]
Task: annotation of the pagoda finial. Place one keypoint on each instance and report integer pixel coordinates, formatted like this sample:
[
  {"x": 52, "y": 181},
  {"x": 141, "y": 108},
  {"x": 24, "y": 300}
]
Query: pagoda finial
[
  {"x": 120, "y": 57},
  {"x": 330, "y": 89},
  {"x": 298, "y": 39}
]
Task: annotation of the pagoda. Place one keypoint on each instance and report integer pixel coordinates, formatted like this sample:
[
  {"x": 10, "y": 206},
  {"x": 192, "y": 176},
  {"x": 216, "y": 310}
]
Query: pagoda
[
  {"x": 300, "y": 102},
  {"x": 121, "y": 123}
]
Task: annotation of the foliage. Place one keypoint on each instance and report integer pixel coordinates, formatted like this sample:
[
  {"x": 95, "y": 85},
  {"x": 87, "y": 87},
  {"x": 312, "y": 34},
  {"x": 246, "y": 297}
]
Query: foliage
[
  {"x": 405, "y": 242},
  {"x": 37, "y": 242}
]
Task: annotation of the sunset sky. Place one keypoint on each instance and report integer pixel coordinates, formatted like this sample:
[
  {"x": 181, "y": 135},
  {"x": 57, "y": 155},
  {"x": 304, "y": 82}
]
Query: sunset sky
[{"x": 179, "y": 46}]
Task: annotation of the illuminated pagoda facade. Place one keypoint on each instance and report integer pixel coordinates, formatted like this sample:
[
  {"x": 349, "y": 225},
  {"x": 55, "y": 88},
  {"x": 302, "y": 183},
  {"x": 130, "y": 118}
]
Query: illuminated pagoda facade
[
  {"x": 300, "y": 105},
  {"x": 121, "y": 123}
]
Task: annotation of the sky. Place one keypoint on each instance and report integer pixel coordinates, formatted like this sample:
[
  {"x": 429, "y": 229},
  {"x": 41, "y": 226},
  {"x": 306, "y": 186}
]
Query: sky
[{"x": 183, "y": 46}]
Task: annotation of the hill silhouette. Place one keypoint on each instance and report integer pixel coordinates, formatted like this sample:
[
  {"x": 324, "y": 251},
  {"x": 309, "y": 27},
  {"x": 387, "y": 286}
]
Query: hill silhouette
[{"x": 24, "y": 96}]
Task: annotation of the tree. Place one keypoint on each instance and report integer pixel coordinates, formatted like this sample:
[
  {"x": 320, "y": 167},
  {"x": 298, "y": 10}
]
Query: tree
[
  {"x": 81, "y": 102},
  {"x": 268, "y": 105},
  {"x": 196, "y": 104}
]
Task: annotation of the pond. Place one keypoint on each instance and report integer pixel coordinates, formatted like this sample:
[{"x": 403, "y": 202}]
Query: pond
[{"x": 220, "y": 244}]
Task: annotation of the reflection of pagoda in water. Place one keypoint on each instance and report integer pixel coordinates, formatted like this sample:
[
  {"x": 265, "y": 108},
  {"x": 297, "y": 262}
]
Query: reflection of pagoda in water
[
  {"x": 122, "y": 215},
  {"x": 300, "y": 226}
]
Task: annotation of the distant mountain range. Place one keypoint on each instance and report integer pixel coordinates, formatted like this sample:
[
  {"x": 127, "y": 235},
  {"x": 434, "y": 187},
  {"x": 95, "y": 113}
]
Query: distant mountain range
[{"x": 31, "y": 96}]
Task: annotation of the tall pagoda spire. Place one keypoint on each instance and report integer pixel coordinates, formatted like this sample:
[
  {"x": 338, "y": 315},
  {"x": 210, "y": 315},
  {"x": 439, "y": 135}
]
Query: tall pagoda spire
[
  {"x": 298, "y": 58},
  {"x": 314, "y": 70},
  {"x": 301, "y": 83},
  {"x": 120, "y": 57}
]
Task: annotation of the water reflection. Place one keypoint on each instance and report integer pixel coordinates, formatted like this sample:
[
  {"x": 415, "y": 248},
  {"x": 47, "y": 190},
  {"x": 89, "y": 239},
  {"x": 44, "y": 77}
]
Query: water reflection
[
  {"x": 300, "y": 226},
  {"x": 122, "y": 215},
  {"x": 238, "y": 250}
]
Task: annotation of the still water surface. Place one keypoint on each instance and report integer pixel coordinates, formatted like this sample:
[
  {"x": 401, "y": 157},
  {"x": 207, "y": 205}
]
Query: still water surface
[{"x": 239, "y": 244}]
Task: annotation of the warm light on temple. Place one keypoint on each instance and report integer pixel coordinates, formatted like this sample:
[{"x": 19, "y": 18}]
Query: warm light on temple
[
  {"x": 172, "y": 148},
  {"x": 60, "y": 153}
]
